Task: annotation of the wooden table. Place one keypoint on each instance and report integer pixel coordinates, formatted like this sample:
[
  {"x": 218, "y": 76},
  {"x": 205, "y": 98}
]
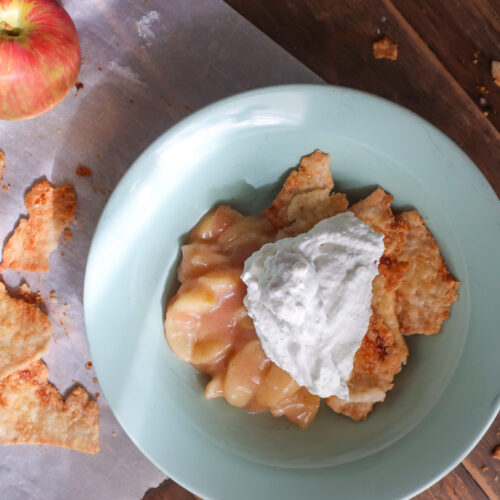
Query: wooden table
[{"x": 442, "y": 72}]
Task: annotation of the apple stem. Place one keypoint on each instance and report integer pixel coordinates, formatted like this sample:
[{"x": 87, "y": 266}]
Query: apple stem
[{"x": 9, "y": 29}]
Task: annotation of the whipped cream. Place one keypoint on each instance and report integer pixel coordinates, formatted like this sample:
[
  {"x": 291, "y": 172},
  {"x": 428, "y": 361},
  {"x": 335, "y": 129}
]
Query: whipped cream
[{"x": 310, "y": 300}]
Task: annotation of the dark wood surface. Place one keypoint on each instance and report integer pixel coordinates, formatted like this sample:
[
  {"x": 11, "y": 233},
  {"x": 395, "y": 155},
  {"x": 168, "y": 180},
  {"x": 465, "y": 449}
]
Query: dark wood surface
[
  {"x": 464, "y": 35},
  {"x": 443, "y": 74}
]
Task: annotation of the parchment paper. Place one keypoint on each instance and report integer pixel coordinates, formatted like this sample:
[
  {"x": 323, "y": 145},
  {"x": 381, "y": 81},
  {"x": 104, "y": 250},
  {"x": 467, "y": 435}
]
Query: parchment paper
[{"x": 146, "y": 64}]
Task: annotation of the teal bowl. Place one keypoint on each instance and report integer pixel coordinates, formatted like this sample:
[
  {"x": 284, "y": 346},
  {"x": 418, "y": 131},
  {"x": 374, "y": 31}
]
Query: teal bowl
[{"x": 238, "y": 151}]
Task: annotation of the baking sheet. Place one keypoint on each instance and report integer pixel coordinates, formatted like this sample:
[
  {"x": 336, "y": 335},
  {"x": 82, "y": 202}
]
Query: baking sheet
[{"x": 146, "y": 64}]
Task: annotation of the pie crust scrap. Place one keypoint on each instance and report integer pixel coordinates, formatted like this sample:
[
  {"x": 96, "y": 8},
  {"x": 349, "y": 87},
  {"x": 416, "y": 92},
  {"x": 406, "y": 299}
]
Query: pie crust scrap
[
  {"x": 50, "y": 210},
  {"x": 306, "y": 197},
  {"x": 33, "y": 412},
  {"x": 428, "y": 289},
  {"x": 24, "y": 332}
]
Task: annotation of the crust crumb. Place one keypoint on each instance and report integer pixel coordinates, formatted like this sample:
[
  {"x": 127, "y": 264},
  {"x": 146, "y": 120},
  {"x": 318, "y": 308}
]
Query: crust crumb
[
  {"x": 385, "y": 49},
  {"x": 83, "y": 171}
]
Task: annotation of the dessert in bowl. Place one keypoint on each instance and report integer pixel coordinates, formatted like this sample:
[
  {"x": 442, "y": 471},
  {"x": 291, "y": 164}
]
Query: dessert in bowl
[
  {"x": 330, "y": 293},
  {"x": 239, "y": 152}
]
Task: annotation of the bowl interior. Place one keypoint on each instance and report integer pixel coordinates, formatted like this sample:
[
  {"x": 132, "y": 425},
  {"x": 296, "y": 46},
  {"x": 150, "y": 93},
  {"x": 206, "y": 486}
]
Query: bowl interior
[{"x": 239, "y": 153}]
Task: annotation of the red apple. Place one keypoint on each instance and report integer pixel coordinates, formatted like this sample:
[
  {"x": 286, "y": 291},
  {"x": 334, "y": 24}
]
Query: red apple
[{"x": 39, "y": 57}]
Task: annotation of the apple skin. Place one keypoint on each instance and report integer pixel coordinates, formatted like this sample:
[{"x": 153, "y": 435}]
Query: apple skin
[{"x": 39, "y": 57}]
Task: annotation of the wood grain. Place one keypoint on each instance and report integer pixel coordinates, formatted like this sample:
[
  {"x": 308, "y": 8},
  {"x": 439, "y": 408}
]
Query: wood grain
[
  {"x": 465, "y": 48},
  {"x": 335, "y": 40}
]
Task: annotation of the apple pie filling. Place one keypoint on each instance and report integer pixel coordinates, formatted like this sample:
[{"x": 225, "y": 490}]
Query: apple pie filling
[{"x": 208, "y": 325}]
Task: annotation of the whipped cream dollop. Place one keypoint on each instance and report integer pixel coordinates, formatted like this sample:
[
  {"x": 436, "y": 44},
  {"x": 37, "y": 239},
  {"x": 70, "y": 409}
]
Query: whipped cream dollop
[{"x": 310, "y": 300}]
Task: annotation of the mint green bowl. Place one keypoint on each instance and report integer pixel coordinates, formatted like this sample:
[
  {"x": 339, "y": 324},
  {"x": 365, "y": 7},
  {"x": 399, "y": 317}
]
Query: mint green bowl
[{"x": 238, "y": 150}]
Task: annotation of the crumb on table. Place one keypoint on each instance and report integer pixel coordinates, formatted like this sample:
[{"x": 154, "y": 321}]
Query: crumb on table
[
  {"x": 385, "y": 49},
  {"x": 83, "y": 171}
]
